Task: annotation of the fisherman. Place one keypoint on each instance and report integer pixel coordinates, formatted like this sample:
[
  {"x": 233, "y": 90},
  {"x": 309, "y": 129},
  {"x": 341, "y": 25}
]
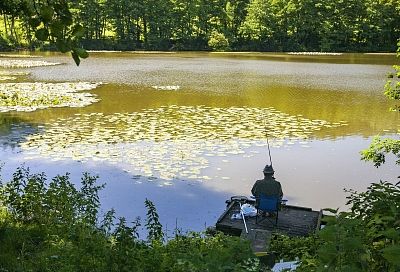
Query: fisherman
[{"x": 268, "y": 186}]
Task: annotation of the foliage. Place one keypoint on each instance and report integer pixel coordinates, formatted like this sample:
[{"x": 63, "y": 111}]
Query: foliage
[
  {"x": 343, "y": 246},
  {"x": 367, "y": 238},
  {"x": 45, "y": 20},
  {"x": 4, "y": 44},
  {"x": 392, "y": 87},
  {"x": 303, "y": 249},
  {"x": 153, "y": 223},
  {"x": 379, "y": 209},
  {"x": 262, "y": 25},
  {"x": 379, "y": 147},
  {"x": 218, "y": 42},
  {"x": 53, "y": 226}
]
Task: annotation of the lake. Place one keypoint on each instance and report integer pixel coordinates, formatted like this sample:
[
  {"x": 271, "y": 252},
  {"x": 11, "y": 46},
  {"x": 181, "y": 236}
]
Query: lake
[{"x": 189, "y": 130}]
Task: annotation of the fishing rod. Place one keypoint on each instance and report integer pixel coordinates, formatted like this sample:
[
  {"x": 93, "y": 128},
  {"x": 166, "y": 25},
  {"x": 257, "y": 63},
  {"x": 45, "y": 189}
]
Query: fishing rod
[
  {"x": 266, "y": 134},
  {"x": 244, "y": 220}
]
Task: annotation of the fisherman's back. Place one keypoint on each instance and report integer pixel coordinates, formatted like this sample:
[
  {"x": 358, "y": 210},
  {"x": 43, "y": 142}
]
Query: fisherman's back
[{"x": 268, "y": 186}]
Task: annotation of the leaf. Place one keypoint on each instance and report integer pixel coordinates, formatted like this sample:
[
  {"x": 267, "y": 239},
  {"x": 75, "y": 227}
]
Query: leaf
[
  {"x": 46, "y": 13},
  {"x": 65, "y": 15},
  {"x": 62, "y": 46},
  {"x": 78, "y": 31},
  {"x": 34, "y": 22},
  {"x": 327, "y": 253},
  {"x": 76, "y": 58},
  {"x": 391, "y": 234},
  {"x": 330, "y": 220},
  {"x": 56, "y": 28},
  {"x": 352, "y": 244},
  {"x": 328, "y": 234},
  {"x": 82, "y": 53},
  {"x": 391, "y": 254},
  {"x": 42, "y": 34}
]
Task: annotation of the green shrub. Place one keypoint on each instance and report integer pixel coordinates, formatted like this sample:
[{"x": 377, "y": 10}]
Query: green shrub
[
  {"x": 53, "y": 226},
  {"x": 367, "y": 238},
  {"x": 218, "y": 42},
  {"x": 4, "y": 44}
]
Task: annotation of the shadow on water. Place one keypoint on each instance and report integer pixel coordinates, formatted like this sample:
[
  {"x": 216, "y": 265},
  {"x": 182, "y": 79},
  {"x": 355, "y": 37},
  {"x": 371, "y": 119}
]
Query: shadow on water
[
  {"x": 14, "y": 129},
  {"x": 189, "y": 204},
  {"x": 344, "y": 58}
]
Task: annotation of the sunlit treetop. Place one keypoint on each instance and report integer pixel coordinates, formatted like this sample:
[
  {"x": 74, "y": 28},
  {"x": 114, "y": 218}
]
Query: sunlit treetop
[{"x": 52, "y": 20}]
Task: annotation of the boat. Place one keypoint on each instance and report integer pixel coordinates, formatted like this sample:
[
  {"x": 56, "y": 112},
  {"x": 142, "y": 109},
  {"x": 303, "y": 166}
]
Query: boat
[{"x": 292, "y": 221}]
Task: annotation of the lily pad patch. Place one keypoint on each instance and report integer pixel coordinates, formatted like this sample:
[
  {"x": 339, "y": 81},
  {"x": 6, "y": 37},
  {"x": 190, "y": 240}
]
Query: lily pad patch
[{"x": 171, "y": 141}]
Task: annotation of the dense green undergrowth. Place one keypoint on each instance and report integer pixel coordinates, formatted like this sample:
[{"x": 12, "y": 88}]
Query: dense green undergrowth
[
  {"x": 53, "y": 226},
  {"x": 366, "y": 238}
]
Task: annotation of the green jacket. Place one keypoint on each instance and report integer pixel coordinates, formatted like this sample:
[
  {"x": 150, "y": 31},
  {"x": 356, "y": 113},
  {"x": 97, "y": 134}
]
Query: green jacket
[{"x": 268, "y": 186}]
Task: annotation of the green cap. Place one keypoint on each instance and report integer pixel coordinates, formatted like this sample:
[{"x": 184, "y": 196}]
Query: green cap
[{"x": 268, "y": 169}]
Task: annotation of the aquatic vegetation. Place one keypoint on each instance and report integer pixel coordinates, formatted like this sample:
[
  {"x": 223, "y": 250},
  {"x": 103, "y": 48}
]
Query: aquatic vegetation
[
  {"x": 17, "y": 56},
  {"x": 16, "y": 63},
  {"x": 7, "y": 78},
  {"x": 171, "y": 141},
  {"x": 33, "y": 96},
  {"x": 8, "y": 75},
  {"x": 12, "y": 73},
  {"x": 167, "y": 88},
  {"x": 315, "y": 53}
]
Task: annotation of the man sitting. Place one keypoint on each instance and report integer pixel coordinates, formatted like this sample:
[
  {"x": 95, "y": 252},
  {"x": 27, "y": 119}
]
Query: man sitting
[{"x": 268, "y": 186}]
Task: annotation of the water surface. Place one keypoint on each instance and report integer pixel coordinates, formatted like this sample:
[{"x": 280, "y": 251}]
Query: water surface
[{"x": 188, "y": 130}]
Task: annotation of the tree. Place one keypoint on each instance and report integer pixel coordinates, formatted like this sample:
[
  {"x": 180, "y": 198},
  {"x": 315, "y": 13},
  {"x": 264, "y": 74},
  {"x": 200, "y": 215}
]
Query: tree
[
  {"x": 52, "y": 20},
  {"x": 261, "y": 25},
  {"x": 93, "y": 13},
  {"x": 260, "y": 22},
  {"x": 382, "y": 26}
]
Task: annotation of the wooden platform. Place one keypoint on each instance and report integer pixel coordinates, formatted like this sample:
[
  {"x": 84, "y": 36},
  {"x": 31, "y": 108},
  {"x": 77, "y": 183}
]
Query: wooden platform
[{"x": 292, "y": 221}]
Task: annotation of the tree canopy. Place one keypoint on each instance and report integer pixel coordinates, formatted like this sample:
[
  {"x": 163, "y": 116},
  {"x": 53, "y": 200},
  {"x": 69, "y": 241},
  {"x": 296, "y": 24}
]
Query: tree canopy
[{"x": 257, "y": 25}]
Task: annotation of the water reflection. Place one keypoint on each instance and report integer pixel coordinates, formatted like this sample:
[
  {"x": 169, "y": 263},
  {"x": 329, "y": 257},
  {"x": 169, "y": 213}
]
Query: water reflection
[
  {"x": 169, "y": 142},
  {"x": 366, "y": 113},
  {"x": 335, "y": 91},
  {"x": 14, "y": 129}
]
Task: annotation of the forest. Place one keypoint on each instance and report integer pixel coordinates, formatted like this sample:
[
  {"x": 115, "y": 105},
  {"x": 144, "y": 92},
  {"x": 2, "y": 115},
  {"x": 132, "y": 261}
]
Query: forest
[{"x": 218, "y": 25}]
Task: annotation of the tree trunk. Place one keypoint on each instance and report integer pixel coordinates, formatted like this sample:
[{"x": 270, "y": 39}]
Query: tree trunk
[
  {"x": 145, "y": 31},
  {"x": 13, "y": 31},
  {"x": 5, "y": 24}
]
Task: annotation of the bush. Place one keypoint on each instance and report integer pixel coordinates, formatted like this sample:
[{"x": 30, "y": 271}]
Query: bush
[
  {"x": 218, "y": 42},
  {"x": 367, "y": 238},
  {"x": 4, "y": 44},
  {"x": 53, "y": 226}
]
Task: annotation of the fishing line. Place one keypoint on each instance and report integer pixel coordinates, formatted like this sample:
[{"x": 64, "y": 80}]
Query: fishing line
[{"x": 266, "y": 134}]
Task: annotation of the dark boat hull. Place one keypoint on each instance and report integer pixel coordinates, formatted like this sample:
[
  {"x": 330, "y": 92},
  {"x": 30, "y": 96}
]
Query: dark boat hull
[{"x": 292, "y": 220}]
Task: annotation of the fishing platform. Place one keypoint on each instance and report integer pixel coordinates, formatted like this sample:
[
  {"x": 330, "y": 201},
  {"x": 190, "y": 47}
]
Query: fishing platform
[{"x": 292, "y": 221}]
